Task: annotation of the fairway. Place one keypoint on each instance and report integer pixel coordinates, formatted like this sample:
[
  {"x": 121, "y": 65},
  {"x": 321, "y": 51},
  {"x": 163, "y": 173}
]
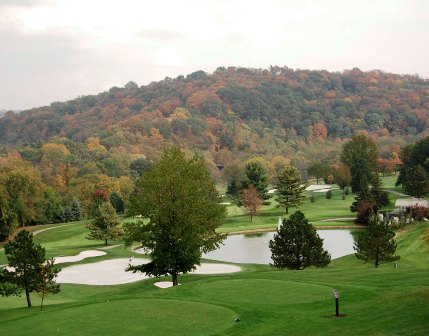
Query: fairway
[
  {"x": 382, "y": 301},
  {"x": 142, "y": 317}
]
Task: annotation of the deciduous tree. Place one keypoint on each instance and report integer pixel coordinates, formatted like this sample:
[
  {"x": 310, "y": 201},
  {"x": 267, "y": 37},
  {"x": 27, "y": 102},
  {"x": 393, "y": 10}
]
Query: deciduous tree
[
  {"x": 251, "y": 201},
  {"x": 360, "y": 155},
  {"x": 181, "y": 206}
]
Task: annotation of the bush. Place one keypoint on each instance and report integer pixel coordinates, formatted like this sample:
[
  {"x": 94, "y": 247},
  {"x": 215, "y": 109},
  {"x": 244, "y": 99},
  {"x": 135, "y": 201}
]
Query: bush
[{"x": 328, "y": 194}]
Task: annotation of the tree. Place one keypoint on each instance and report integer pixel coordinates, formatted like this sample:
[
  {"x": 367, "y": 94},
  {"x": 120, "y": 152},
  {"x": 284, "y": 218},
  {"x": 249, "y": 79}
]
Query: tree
[
  {"x": 29, "y": 267},
  {"x": 106, "y": 225},
  {"x": 376, "y": 244},
  {"x": 319, "y": 170},
  {"x": 343, "y": 177},
  {"x": 181, "y": 205},
  {"x": 256, "y": 175},
  {"x": 289, "y": 188},
  {"x": 250, "y": 201},
  {"x": 364, "y": 203},
  {"x": 414, "y": 171},
  {"x": 47, "y": 284},
  {"x": 296, "y": 245},
  {"x": 117, "y": 202},
  {"x": 360, "y": 155},
  {"x": 416, "y": 183}
]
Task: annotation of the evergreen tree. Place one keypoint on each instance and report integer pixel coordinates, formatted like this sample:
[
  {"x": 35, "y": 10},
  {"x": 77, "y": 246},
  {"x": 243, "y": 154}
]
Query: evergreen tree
[
  {"x": 290, "y": 188},
  {"x": 376, "y": 244},
  {"x": 296, "y": 245},
  {"x": 179, "y": 200},
  {"x": 379, "y": 196},
  {"x": 47, "y": 284},
  {"x": 255, "y": 174},
  {"x": 74, "y": 210},
  {"x": 117, "y": 202},
  {"x": 29, "y": 267},
  {"x": 106, "y": 225},
  {"x": 364, "y": 203}
]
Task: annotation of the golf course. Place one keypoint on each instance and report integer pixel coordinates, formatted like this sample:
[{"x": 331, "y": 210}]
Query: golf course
[{"x": 254, "y": 299}]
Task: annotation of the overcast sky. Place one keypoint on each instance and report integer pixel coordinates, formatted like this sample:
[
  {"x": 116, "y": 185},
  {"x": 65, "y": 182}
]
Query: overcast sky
[{"x": 56, "y": 50}]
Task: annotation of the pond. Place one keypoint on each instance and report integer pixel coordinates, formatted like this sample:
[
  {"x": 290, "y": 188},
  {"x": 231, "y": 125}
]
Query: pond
[{"x": 254, "y": 248}]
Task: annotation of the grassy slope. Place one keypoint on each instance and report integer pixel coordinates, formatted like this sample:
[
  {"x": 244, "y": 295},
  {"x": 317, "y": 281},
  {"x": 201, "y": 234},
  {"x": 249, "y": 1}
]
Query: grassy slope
[{"x": 384, "y": 301}]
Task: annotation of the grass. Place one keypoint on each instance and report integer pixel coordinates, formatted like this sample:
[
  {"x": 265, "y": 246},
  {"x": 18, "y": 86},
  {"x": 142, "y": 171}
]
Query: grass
[
  {"x": 383, "y": 301},
  {"x": 317, "y": 212}
]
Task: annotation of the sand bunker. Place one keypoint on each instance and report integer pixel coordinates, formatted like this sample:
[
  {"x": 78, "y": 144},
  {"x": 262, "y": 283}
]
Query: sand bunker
[
  {"x": 112, "y": 272},
  {"x": 82, "y": 255},
  {"x": 164, "y": 284}
]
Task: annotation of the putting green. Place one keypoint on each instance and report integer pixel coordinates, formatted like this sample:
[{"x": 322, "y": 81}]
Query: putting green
[
  {"x": 128, "y": 317},
  {"x": 254, "y": 291}
]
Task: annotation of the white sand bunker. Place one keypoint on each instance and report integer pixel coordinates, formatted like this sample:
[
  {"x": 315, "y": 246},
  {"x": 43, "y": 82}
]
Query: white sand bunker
[
  {"x": 82, "y": 255},
  {"x": 164, "y": 284},
  {"x": 112, "y": 272}
]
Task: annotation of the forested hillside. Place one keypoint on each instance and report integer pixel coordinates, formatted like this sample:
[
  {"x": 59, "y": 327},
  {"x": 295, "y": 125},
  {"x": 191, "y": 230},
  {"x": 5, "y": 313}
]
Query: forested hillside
[
  {"x": 234, "y": 109},
  {"x": 54, "y": 159}
]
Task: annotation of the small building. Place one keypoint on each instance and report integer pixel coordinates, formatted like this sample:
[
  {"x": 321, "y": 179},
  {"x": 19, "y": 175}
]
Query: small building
[{"x": 405, "y": 204}]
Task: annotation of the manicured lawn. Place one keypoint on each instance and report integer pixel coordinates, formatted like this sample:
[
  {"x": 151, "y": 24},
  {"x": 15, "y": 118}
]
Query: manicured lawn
[{"x": 383, "y": 301}]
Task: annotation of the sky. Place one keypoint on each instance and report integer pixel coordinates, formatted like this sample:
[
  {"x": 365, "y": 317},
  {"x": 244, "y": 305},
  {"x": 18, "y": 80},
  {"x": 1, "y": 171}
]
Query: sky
[{"x": 57, "y": 50}]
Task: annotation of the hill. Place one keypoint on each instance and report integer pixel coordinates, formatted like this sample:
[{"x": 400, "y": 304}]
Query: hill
[{"x": 247, "y": 112}]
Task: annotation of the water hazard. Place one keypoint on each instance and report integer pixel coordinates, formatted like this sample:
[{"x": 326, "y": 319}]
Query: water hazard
[{"x": 254, "y": 248}]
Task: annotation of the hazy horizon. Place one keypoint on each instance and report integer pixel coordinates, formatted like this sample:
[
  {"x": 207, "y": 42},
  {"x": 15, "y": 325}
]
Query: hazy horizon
[{"x": 56, "y": 50}]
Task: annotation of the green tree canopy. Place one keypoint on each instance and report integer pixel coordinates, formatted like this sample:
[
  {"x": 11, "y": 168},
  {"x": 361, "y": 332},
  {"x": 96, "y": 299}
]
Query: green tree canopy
[
  {"x": 289, "y": 188},
  {"x": 106, "y": 225},
  {"x": 29, "y": 267},
  {"x": 180, "y": 203},
  {"x": 414, "y": 171},
  {"x": 360, "y": 155},
  {"x": 296, "y": 245},
  {"x": 255, "y": 174},
  {"x": 319, "y": 170},
  {"x": 376, "y": 244}
]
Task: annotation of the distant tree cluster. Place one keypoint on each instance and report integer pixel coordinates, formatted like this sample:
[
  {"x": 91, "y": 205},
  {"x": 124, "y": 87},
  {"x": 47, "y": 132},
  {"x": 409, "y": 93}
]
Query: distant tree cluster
[{"x": 414, "y": 171}]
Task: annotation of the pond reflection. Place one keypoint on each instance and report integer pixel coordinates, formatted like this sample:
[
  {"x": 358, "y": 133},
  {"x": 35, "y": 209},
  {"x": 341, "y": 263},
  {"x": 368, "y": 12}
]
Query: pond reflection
[{"x": 253, "y": 248}]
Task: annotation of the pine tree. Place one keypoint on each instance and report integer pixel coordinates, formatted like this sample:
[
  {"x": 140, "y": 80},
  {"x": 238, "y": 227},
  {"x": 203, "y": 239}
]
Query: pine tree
[
  {"x": 74, "y": 210},
  {"x": 289, "y": 188},
  {"x": 364, "y": 203},
  {"x": 256, "y": 175},
  {"x": 117, "y": 202},
  {"x": 29, "y": 267},
  {"x": 106, "y": 225},
  {"x": 376, "y": 244},
  {"x": 296, "y": 245}
]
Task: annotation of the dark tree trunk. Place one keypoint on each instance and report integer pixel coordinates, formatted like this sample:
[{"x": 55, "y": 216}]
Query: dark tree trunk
[
  {"x": 287, "y": 210},
  {"x": 41, "y": 303},
  {"x": 105, "y": 242},
  {"x": 175, "y": 280},
  {"x": 251, "y": 218},
  {"x": 27, "y": 295},
  {"x": 27, "y": 290}
]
